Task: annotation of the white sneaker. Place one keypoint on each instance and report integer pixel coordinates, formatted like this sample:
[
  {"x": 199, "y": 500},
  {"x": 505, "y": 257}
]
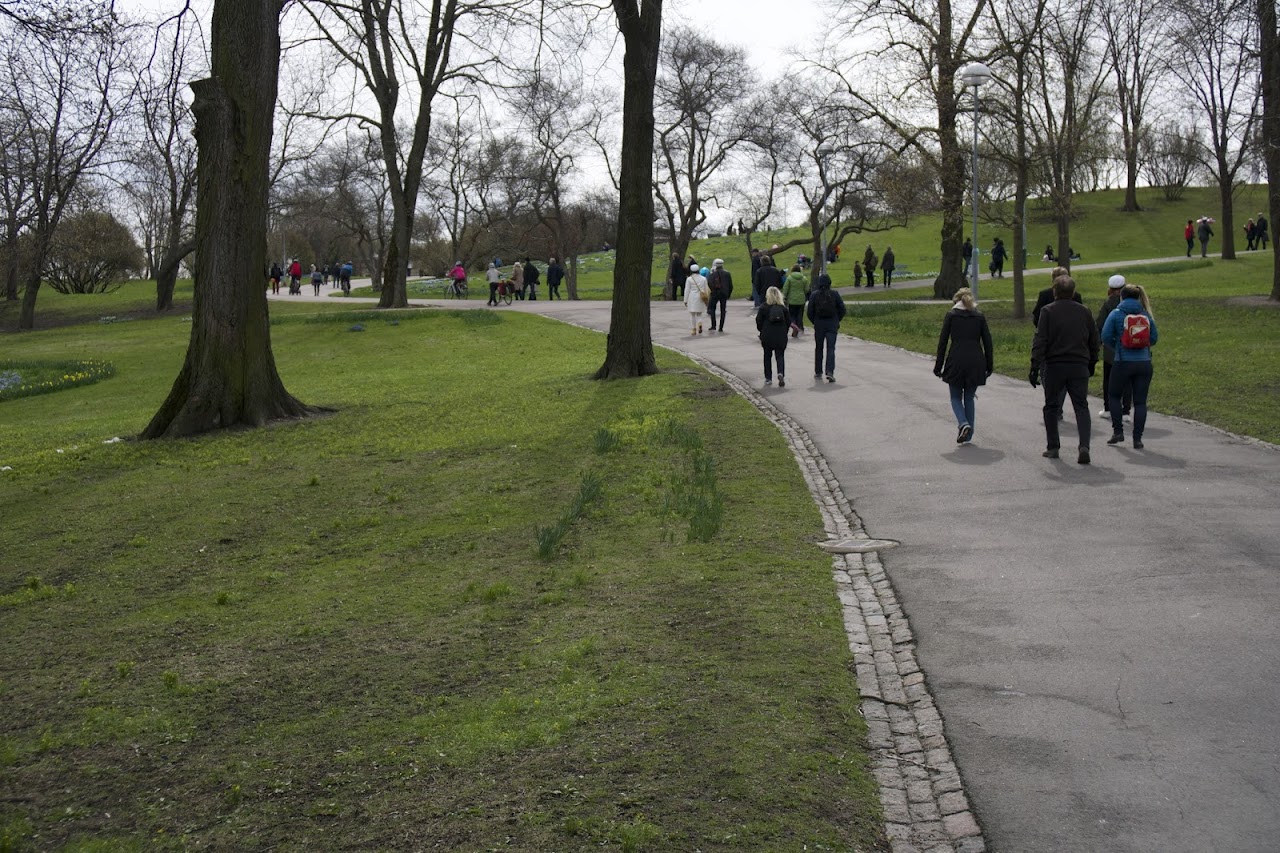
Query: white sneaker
[
  {"x": 768, "y": 382},
  {"x": 1103, "y": 413}
]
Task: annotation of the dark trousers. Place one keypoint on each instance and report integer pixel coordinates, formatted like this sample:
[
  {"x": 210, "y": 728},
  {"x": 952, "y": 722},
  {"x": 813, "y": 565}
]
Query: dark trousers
[
  {"x": 1130, "y": 377},
  {"x": 824, "y": 339},
  {"x": 871, "y": 277},
  {"x": 1127, "y": 399},
  {"x": 888, "y": 277},
  {"x": 778, "y": 353},
  {"x": 493, "y": 293},
  {"x": 553, "y": 291},
  {"x": 718, "y": 297},
  {"x": 1061, "y": 380},
  {"x": 797, "y": 315}
]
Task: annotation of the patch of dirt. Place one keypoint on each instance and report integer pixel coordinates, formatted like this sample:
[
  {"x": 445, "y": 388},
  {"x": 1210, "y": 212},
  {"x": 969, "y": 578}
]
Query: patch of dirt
[{"x": 1252, "y": 302}]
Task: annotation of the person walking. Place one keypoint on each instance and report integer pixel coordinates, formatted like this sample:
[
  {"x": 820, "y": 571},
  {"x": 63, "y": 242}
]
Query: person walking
[
  {"x": 1114, "y": 285},
  {"x": 765, "y": 277},
  {"x": 1260, "y": 228},
  {"x": 887, "y": 265},
  {"x": 517, "y": 280},
  {"x": 967, "y": 251},
  {"x": 869, "y": 260},
  {"x": 826, "y": 310},
  {"x": 492, "y": 276},
  {"x": 317, "y": 278},
  {"x": 965, "y": 359},
  {"x": 857, "y": 273},
  {"x": 721, "y": 284},
  {"x": 757, "y": 296},
  {"x": 1065, "y": 352},
  {"x": 998, "y": 255},
  {"x": 1190, "y": 234},
  {"x": 555, "y": 275},
  {"x": 1250, "y": 235},
  {"x": 696, "y": 296},
  {"x": 276, "y": 275},
  {"x": 1045, "y": 296},
  {"x": 772, "y": 321},
  {"x": 1203, "y": 233},
  {"x": 795, "y": 290},
  {"x": 1130, "y": 330},
  {"x": 676, "y": 274},
  {"x": 531, "y": 275}
]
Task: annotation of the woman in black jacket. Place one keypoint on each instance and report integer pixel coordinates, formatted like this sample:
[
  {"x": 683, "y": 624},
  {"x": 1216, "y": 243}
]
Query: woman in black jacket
[
  {"x": 964, "y": 358},
  {"x": 773, "y": 320}
]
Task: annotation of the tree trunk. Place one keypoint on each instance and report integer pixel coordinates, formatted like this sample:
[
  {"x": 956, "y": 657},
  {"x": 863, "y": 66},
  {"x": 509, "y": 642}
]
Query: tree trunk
[
  {"x": 629, "y": 351},
  {"x": 571, "y": 277},
  {"x": 166, "y": 273},
  {"x": 1020, "y": 243},
  {"x": 27, "y": 314},
  {"x": 1269, "y": 44},
  {"x": 952, "y": 273},
  {"x": 229, "y": 377},
  {"x": 1131, "y": 175},
  {"x": 1226, "y": 230},
  {"x": 386, "y": 285}
]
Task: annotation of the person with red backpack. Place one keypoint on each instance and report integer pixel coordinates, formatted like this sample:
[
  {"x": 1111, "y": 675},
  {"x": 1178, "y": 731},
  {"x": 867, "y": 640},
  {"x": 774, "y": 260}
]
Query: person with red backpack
[{"x": 1130, "y": 330}]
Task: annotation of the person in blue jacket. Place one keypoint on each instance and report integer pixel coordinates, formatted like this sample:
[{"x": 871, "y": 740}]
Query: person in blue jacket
[{"x": 1132, "y": 368}]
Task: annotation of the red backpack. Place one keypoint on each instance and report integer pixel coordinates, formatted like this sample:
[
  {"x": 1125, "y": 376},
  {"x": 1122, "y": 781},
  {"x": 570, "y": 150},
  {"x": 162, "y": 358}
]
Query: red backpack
[{"x": 1136, "y": 332}]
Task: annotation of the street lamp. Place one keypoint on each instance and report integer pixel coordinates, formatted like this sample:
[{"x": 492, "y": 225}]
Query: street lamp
[
  {"x": 974, "y": 74},
  {"x": 824, "y": 151}
]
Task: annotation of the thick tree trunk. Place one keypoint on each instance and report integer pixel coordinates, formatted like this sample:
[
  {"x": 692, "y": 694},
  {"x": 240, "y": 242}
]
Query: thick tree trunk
[
  {"x": 27, "y": 314},
  {"x": 229, "y": 377},
  {"x": 166, "y": 273},
  {"x": 1226, "y": 229},
  {"x": 1020, "y": 244},
  {"x": 952, "y": 273},
  {"x": 1269, "y": 44},
  {"x": 1131, "y": 177},
  {"x": 571, "y": 277},
  {"x": 629, "y": 351}
]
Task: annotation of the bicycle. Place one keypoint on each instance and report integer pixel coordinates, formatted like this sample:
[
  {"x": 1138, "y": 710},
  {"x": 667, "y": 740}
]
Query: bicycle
[
  {"x": 506, "y": 289},
  {"x": 457, "y": 289}
]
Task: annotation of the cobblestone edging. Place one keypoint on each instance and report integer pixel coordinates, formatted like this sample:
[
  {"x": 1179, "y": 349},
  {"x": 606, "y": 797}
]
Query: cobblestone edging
[{"x": 925, "y": 806}]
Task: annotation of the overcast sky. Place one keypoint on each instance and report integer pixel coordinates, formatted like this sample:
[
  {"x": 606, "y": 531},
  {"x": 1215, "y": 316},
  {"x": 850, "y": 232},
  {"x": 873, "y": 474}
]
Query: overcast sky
[{"x": 774, "y": 34}]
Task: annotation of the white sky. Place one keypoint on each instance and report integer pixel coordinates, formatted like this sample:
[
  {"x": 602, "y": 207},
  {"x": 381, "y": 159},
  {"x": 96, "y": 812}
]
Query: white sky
[{"x": 775, "y": 34}]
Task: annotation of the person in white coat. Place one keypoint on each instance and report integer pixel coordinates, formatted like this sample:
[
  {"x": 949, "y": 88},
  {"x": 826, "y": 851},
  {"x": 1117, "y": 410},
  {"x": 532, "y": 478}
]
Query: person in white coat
[{"x": 696, "y": 294}]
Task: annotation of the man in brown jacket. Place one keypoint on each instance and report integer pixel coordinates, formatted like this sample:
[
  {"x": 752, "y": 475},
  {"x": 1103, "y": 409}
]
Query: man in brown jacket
[{"x": 1065, "y": 349}]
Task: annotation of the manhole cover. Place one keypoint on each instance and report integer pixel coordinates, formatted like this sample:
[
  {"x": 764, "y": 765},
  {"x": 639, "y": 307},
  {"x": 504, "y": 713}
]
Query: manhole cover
[{"x": 856, "y": 546}]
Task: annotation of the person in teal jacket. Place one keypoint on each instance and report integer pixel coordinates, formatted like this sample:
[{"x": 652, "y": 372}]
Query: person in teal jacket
[
  {"x": 795, "y": 290},
  {"x": 1132, "y": 368}
]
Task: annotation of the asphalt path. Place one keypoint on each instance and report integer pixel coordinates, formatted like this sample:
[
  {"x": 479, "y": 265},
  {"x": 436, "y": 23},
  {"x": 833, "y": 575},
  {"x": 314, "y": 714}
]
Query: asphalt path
[{"x": 1101, "y": 640}]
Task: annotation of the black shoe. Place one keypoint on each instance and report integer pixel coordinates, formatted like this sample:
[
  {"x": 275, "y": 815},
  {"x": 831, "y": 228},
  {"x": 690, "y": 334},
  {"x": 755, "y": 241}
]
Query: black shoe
[
  {"x": 966, "y": 432},
  {"x": 1052, "y": 453},
  {"x": 1137, "y": 444},
  {"x": 831, "y": 377},
  {"x": 1083, "y": 458},
  {"x": 1116, "y": 438}
]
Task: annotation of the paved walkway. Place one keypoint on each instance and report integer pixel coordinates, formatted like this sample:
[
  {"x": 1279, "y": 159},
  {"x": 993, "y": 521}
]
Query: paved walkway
[{"x": 1101, "y": 641}]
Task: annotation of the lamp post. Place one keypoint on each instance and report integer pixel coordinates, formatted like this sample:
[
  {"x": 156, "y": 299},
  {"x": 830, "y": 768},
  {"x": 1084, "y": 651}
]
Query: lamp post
[
  {"x": 824, "y": 151},
  {"x": 974, "y": 74}
]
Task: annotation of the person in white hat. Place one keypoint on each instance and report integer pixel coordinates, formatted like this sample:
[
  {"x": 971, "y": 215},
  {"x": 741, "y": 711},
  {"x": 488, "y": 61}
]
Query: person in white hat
[
  {"x": 721, "y": 284},
  {"x": 1114, "y": 285},
  {"x": 696, "y": 296}
]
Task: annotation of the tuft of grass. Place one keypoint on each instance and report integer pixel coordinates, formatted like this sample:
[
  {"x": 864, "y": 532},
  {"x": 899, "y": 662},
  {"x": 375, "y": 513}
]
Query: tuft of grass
[{"x": 606, "y": 440}]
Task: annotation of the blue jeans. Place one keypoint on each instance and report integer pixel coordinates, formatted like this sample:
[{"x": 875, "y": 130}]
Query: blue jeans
[
  {"x": 1135, "y": 377},
  {"x": 962, "y": 404},
  {"x": 824, "y": 338}
]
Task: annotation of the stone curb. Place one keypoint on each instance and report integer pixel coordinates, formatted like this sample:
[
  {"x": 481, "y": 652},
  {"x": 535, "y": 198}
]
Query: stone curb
[{"x": 921, "y": 792}]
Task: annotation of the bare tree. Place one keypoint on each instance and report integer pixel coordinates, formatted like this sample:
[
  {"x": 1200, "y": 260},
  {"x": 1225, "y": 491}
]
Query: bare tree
[
  {"x": 1218, "y": 59},
  {"x": 1068, "y": 96},
  {"x": 16, "y": 180},
  {"x": 702, "y": 86},
  {"x": 629, "y": 350},
  {"x": 1269, "y": 51},
  {"x": 62, "y": 92},
  {"x": 418, "y": 49},
  {"x": 229, "y": 377},
  {"x": 910, "y": 73},
  {"x": 1170, "y": 157},
  {"x": 1016, "y": 25},
  {"x": 1136, "y": 40},
  {"x": 162, "y": 173}
]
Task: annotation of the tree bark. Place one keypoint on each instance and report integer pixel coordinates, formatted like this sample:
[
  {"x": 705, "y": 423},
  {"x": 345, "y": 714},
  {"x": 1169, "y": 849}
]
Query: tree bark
[
  {"x": 166, "y": 273},
  {"x": 229, "y": 377},
  {"x": 629, "y": 351},
  {"x": 1269, "y": 44}
]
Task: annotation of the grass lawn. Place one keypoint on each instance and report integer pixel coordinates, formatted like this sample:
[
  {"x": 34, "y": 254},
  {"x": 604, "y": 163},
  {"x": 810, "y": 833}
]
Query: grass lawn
[
  {"x": 339, "y": 634},
  {"x": 1217, "y": 361}
]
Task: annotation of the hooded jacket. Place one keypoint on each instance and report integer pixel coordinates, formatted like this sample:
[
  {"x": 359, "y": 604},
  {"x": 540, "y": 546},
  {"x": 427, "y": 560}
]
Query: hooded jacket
[{"x": 1112, "y": 329}]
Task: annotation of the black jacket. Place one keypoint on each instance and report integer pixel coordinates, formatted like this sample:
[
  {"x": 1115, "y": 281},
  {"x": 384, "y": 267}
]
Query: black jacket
[
  {"x": 555, "y": 275},
  {"x": 720, "y": 282},
  {"x": 969, "y": 361},
  {"x": 1043, "y": 298},
  {"x": 774, "y": 324},
  {"x": 767, "y": 277},
  {"x": 1066, "y": 335},
  {"x": 823, "y": 324},
  {"x": 1113, "y": 299},
  {"x": 530, "y": 275}
]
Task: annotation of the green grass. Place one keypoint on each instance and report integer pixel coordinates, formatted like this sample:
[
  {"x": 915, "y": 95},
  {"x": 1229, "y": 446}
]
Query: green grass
[
  {"x": 339, "y": 634},
  {"x": 1217, "y": 360}
]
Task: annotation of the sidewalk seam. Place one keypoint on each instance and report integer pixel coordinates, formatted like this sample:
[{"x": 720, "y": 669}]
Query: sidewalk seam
[{"x": 921, "y": 793}]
